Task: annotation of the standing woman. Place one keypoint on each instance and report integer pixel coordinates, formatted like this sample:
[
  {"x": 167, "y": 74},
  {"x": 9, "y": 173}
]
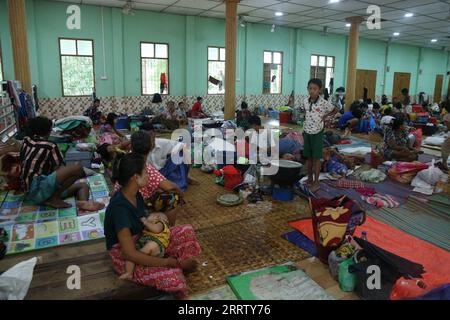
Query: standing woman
[{"x": 123, "y": 227}]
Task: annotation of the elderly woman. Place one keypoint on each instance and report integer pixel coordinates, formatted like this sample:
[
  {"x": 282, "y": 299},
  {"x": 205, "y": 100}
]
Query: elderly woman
[{"x": 397, "y": 145}]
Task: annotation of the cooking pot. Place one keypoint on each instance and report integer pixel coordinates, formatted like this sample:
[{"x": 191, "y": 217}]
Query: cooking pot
[{"x": 288, "y": 172}]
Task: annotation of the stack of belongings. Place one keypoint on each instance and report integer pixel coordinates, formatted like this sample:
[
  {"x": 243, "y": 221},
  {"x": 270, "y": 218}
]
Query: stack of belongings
[
  {"x": 77, "y": 127},
  {"x": 333, "y": 220}
]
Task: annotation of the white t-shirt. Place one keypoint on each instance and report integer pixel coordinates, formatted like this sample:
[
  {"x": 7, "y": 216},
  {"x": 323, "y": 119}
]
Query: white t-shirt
[
  {"x": 163, "y": 148},
  {"x": 314, "y": 114},
  {"x": 386, "y": 120}
]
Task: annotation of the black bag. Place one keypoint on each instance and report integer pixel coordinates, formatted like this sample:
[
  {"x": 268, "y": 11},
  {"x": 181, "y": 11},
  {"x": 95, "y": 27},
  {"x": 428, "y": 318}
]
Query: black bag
[
  {"x": 392, "y": 267},
  {"x": 3, "y": 239}
]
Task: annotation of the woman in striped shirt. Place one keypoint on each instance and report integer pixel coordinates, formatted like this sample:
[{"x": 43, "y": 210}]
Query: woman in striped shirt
[{"x": 44, "y": 178}]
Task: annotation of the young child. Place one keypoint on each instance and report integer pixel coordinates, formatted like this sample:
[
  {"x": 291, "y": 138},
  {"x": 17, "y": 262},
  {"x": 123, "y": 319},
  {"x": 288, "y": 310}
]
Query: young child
[
  {"x": 154, "y": 240},
  {"x": 110, "y": 126},
  {"x": 44, "y": 178},
  {"x": 242, "y": 116},
  {"x": 93, "y": 112},
  {"x": 317, "y": 110},
  {"x": 196, "y": 111}
]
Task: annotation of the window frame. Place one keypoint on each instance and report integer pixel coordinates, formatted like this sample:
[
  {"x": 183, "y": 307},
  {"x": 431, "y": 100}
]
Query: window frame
[
  {"x": 168, "y": 66},
  {"x": 280, "y": 64},
  {"x": 326, "y": 67},
  {"x": 76, "y": 55},
  {"x": 207, "y": 68}
]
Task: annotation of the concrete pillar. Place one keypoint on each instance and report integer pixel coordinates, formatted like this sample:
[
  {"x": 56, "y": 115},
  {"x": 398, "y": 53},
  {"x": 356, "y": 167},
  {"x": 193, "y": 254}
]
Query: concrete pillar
[
  {"x": 352, "y": 60},
  {"x": 19, "y": 41},
  {"x": 230, "y": 55}
]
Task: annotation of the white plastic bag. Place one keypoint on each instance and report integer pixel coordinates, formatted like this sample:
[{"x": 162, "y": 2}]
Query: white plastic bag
[
  {"x": 432, "y": 175},
  {"x": 14, "y": 282},
  {"x": 251, "y": 175}
]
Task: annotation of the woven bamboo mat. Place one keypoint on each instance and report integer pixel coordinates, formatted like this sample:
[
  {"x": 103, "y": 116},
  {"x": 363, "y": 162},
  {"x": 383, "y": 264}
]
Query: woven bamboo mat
[{"x": 237, "y": 239}]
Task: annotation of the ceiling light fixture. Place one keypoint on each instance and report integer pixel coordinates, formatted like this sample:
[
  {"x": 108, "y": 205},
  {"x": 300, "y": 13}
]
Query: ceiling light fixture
[
  {"x": 279, "y": 14},
  {"x": 434, "y": 40},
  {"x": 348, "y": 25},
  {"x": 396, "y": 34},
  {"x": 409, "y": 15},
  {"x": 334, "y": 1}
]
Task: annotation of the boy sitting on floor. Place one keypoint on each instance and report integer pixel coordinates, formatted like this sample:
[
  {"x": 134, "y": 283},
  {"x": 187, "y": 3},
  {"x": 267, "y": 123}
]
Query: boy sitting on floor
[{"x": 44, "y": 178}]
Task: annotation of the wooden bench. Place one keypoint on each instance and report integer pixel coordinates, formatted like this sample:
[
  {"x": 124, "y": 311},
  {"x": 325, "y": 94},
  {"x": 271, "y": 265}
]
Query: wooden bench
[{"x": 98, "y": 279}]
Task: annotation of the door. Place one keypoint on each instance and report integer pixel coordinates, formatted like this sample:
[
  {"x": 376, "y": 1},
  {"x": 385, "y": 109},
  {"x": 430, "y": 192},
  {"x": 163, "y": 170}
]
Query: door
[
  {"x": 401, "y": 80},
  {"x": 438, "y": 88},
  {"x": 365, "y": 79}
]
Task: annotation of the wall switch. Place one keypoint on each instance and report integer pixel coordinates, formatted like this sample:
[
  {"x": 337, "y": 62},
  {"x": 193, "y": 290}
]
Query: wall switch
[{"x": 104, "y": 78}]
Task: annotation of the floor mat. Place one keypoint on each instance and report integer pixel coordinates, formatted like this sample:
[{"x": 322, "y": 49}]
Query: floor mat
[
  {"x": 221, "y": 293},
  {"x": 429, "y": 221},
  {"x": 279, "y": 282},
  {"x": 301, "y": 241},
  {"x": 32, "y": 227},
  {"x": 434, "y": 259}
]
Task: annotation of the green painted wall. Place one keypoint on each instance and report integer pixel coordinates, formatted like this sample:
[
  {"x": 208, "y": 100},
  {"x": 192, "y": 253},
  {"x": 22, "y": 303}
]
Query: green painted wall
[
  {"x": 312, "y": 42},
  {"x": 5, "y": 42},
  {"x": 188, "y": 38},
  {"x": 433, "y": 62},
  {"x": 371, "y": 56}
]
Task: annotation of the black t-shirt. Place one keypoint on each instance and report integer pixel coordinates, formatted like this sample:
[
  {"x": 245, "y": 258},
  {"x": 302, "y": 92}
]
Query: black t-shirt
[{"x": 122, "y": 214}]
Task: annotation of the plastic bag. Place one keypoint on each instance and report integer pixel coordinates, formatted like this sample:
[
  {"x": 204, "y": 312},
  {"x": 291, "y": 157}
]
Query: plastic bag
[
  {"x": 251, "y": 175},
  {"x": 432, "y": 175},
  {"x": 347, "y": 280},
  {"x": 404, "y": 172},
  {"x": 14, "y": 282}
]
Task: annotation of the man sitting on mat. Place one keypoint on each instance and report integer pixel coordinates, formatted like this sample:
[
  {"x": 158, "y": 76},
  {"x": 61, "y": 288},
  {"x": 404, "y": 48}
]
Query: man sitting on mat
[{"x": 44, "y": 178}]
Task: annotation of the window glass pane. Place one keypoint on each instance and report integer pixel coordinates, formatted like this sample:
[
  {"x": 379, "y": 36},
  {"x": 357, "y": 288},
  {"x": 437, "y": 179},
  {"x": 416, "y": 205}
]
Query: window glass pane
[
  {"x": 321, "y": 61},
  {"x": 213, "y": 53},
  {"x": 222, "y": 54},
  {"x": 68, "y": 46},
  {"x": 275, "y": 79},
  {"x": 216, "y": 77},
  {"x": 329, "y": 75},
  {"x": 161, "y": 51},
  {"x": 267, "y": 57},
  {"x": 84, "y": 47},
  {"x": 314, "y": 61},
  {"x": 153, "y": 70},
  {"x": 147, "y": 50},
  {"x": 276, "y": 57},
  {"x": 330, "y": 61},
  {"x": 77, "y": 75}
]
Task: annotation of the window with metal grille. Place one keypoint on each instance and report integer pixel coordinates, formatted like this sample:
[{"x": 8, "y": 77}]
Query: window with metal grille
[
  {"x": 216, "y": 70},
  {"x": 272, "y": 72},
  {"x": 77, "y": 67},
  {"x": 154, "y": 68},
  {"x": 322, "y": 67}
]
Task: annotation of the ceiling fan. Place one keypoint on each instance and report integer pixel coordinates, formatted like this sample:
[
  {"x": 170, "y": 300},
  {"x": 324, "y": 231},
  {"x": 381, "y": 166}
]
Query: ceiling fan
[{"x": 128, "y": 8}]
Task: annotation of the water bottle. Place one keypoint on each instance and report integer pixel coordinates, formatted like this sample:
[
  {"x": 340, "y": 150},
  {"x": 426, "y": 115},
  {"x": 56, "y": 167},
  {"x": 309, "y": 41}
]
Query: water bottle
[{"x": 364, "y": 235}]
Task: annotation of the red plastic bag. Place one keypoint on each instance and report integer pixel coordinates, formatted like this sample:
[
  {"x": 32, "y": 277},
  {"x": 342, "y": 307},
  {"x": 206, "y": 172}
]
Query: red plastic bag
[
  {"x": 409, "y": 288},
  {"x": 404, "y": 172},
  {"x": 233, "y": 177},
  {"x": 418, "y": 134}
]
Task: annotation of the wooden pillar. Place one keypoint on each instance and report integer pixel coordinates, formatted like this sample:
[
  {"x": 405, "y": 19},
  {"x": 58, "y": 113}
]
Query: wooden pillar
[
  {"x": 19, "y": 40},
  {"x": 352, "y": 60},
  {"x": 230, "y": 58}
]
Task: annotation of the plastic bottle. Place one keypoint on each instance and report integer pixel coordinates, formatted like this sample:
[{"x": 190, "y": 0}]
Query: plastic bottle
[
  {"x": 102, "y": 168},
  {"x": 364, "y": 235}
]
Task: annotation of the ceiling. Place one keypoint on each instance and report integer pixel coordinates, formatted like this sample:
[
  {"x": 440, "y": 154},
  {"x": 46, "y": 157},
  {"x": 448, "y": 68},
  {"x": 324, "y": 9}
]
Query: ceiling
[{"x": 431, "y": 18}]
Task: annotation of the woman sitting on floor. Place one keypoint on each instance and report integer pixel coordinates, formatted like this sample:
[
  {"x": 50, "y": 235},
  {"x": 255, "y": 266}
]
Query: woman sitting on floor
[
  {"x": 123, "y": 227},
  {"x": 109, "y": 133},
  {"x": 45, "y": 180},
  {"x": 350, "y": 119},
  {"x": 397, "y": 145},
  {"x": 142, "y": 144}
]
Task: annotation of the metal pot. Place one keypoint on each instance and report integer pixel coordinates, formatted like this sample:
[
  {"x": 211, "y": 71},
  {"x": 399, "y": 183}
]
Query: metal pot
[{"x": 288, "y": 172}]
